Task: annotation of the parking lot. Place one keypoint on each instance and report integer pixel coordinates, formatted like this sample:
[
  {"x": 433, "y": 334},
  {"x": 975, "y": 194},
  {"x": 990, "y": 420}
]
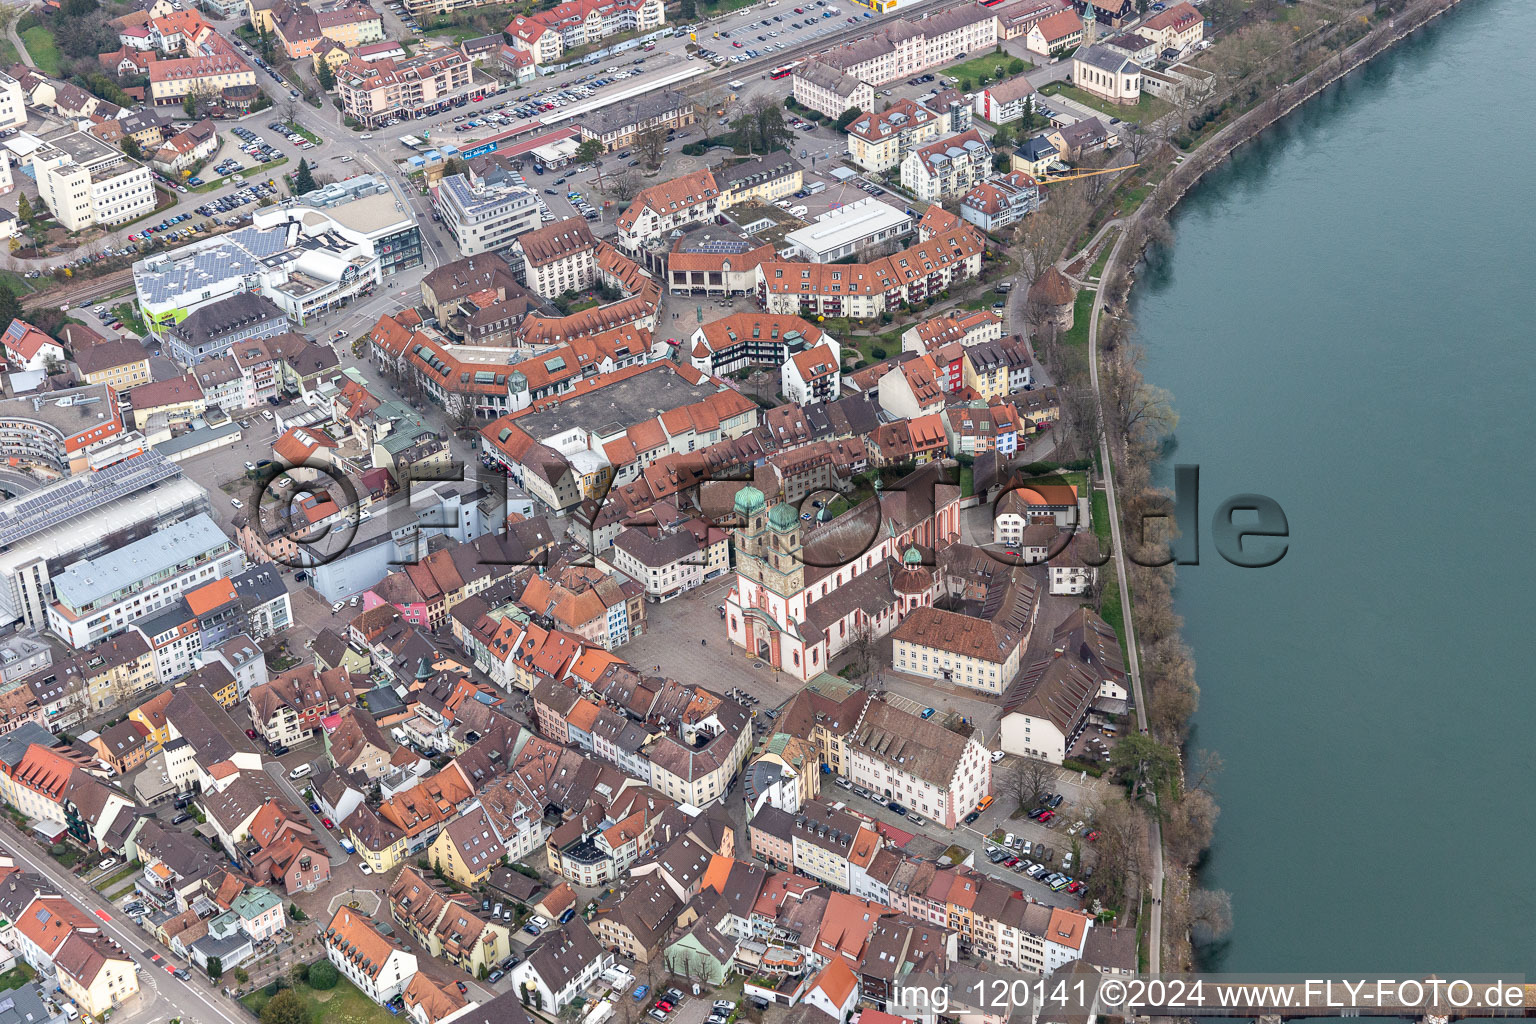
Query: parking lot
[{"x": 775, "y": 32}]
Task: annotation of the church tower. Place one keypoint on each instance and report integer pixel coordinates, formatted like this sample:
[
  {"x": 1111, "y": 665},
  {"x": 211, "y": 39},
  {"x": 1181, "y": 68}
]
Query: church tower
[{"x": 769, "y": 544}]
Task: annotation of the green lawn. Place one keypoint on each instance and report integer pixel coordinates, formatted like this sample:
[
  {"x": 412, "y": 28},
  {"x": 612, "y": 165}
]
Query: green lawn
[
  {"x": 117, "y": 876},
  {"x": 16, "y": 283},
  {"x": 708, "y": 10},
  {"x": 128, "y": 314},
  {"x": 1148, "y": 110},
  {"x": 1101, "y": 517},
  {"x": 43, "y": 48},
  {"x": 16, "y": 977},
  {"x": 302, "y": 131},
  {"x": 459, "y": 28},
  {"x": 344, "y": 1004},
  {"x": 1104, "y": 251},
  {"x": 8, "y": 54},
  {"x": 1082, "y": 309},
  {"x": 1072, "y": 477},
  {"x": 1131, "y": 198},
  {"x": 983, "y": 69}
]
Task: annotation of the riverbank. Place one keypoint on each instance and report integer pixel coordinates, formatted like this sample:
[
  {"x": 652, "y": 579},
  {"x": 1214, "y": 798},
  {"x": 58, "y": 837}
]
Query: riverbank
[
  {"x": 1185, "y": 905},
  {"x": 1215, "y": 151}
]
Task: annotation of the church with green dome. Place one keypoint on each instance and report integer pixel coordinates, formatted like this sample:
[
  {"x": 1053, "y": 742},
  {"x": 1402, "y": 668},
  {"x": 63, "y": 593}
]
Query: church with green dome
[{"x": 805, "y": 588}]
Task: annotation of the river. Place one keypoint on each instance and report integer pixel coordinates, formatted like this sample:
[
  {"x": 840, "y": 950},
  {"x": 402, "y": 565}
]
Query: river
[{"x": 1343, "y": 322}]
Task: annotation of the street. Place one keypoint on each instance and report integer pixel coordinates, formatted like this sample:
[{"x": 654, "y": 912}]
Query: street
[{"x": 162, "y": 995}]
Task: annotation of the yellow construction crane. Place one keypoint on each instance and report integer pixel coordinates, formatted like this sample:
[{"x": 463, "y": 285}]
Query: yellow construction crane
[{"x": 1085, "y": 174}]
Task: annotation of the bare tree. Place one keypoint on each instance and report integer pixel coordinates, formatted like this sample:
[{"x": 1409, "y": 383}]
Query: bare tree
[
  {"x": 1119, "y": 851},
  {"x": 1045, "y": 233},
  {"x": 863, "y": 642},
  {"x": 625, "y": 185},
  {"x": 1210, "y": 914},
  {"x": 1141, "y": 413},
  {"x": 1203, "y": 768},
  {"x": 649, "y": 144},
  {"x": 1031, "y": 777},
  {"x": 1190, "y": 825}
]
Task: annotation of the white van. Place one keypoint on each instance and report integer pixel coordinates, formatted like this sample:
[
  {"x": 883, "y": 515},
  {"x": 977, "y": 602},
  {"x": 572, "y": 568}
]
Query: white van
[
  {"x": 301, "y": 771},
  {"x": 71, "y": 1011}
]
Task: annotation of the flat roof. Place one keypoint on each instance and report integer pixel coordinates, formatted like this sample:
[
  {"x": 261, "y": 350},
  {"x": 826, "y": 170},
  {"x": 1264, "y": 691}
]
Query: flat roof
[
  {"x": 92, "y": 579},
  {"x": 82, "y": 148},
  {"x": 65, "y": 500},
  {"x": 69, "y": 412},
  {"x": 193, "y": 438},
  {"x": 837, "y": 228},
  {"x": 375, "y": 213},
  {"x": 616, "y": 407}
]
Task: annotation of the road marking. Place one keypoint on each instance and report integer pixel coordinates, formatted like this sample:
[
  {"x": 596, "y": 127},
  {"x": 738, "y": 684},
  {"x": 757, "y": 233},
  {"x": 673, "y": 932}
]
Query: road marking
[
  {"x": 104, "y": 916},
  {"x": 67, "y": 885}
]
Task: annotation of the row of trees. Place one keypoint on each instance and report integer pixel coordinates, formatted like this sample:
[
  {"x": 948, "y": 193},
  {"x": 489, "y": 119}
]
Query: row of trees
[{"x": 1257, "y": 55}]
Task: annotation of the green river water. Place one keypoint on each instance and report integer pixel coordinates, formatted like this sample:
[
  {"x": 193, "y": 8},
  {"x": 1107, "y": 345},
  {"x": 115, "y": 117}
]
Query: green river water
[{"x": 1343, "y": 322}]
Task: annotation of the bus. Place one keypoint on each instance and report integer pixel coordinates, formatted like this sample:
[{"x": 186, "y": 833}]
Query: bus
[{"x": 785, "y": 71}]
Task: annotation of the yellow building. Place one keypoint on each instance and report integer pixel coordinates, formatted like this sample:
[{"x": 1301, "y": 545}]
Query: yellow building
[
  {"x": 329, "y": 51},
  {"x": 986, "y": 371},
  {"x": 301, "y": 30},
  {"x": 179, "y": 398},
  {"x": 120, "y": 364},
  {"x": 151, "y": 715},
  {"x": 959, "y": 650},
  {"x": 446, "y": 929},
  {"x": 94, "y": 972},
  {"x": 467, "y": 849},
  {"x": 766, "y": 178},
  {"x": 116, "y": 670},
  {"x": 172, "y": 80},
  {"x": 259, "y": 13},
  {"x": 379, "y": 843}
]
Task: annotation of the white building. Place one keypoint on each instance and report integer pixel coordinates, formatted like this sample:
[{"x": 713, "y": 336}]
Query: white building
[
  {"x": 366, "y": 958},
  {"x": 83, "y": 181},
  {"x": 1005, "y": 101},
  {"x": 13, "y": 103},
  {"x": 814, "y": 375},
  {"x": 829, "y": 90},
  {"x": 304, "y": 260},
  {"x": 559, "y": 965},
  {"x": 1107, "y": 73},
  {"x": 558, "y": 257},
  {"x": 998, "y": 202},
  {"x": 82, "y": 517},
  {"x": 1046, "y": 708},
  {"x": 955, "y": 649},
  {"x": 657, "y": 210},
  {"x": 100, "y": 596},
  {"x": 670, "y": 563},
  {"x": 948, "y": 167},
  {"x": 850, "y": 229},
  {"x": 1177, "y": 28},
  {"x": 487, "y": 218},
  {"x": 917, "y": 762}
]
